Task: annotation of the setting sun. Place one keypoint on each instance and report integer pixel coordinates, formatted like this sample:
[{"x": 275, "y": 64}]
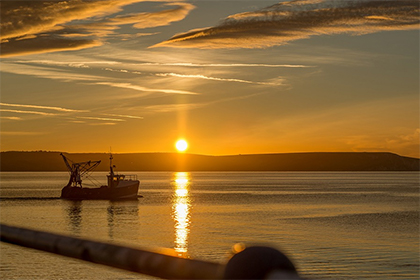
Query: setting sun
[{"x": 181, "y": 145}]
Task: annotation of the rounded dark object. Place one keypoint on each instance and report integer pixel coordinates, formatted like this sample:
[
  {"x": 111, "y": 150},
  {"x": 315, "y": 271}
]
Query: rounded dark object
[{"x": 256, "y": 262}]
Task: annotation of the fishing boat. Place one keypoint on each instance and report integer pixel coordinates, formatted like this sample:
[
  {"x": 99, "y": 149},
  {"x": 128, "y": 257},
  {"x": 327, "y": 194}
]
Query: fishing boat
[{"x": 119, "y": 186}]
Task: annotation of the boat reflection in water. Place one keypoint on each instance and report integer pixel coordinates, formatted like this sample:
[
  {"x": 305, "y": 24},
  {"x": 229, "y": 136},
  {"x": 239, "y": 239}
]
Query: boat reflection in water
[
  {"x": 181, "y": 204},
  {"x": 74, "y": 213}
]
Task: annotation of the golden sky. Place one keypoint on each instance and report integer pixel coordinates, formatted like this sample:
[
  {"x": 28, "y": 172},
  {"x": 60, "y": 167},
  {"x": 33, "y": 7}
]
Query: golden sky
[{"x": 230, "y": 77}]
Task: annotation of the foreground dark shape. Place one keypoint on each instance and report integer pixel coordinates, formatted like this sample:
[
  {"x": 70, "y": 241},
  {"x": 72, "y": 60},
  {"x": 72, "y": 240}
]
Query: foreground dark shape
[
  {"x": 119, "y": 186},
  {"x": 251, "y": 263}
]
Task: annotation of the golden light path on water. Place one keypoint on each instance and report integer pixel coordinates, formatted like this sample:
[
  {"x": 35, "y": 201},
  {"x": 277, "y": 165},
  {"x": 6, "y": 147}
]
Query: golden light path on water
[{"x": 181, "y": 205}]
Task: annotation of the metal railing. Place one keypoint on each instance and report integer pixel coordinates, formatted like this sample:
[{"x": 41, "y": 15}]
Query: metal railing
[
  {"x": 131, "y": 177},
  {"x": 251, "y": 263}
]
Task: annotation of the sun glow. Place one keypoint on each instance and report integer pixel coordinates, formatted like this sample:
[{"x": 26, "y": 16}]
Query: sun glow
[{"x": 181, "y": 145}]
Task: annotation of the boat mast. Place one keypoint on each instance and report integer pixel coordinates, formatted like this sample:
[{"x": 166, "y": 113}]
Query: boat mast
[
  {"x": 111, "y": 177},
  {"x": 111, "y": 167}
]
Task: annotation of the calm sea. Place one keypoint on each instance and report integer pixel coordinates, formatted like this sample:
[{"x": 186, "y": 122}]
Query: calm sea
[{"x": 333, "y": 225}]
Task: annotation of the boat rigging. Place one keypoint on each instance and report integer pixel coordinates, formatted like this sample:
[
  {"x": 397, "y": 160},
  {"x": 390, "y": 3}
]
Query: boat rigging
[{"x": 78, "y": 169}]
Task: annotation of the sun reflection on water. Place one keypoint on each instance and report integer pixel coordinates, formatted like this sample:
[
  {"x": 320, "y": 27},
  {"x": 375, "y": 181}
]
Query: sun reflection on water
[{"x": 181, "y": 205}]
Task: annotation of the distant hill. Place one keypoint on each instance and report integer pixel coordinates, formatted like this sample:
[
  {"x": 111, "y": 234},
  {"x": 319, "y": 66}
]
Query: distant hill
[{"x": 52, "y": 161}]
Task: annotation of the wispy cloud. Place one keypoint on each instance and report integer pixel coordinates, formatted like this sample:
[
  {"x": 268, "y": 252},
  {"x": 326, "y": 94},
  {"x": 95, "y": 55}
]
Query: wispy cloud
[
  {"x": 88, "y": 64},
  {"x": 102, "y": 119},
  {"x": 124, "y": 37},
  {"x": 72, "y": 63},
  {"x": 40, "y": 17},
  {"x": 105, "y": 123},
  {"x": 94, "y": 121},
  {"x": 117, "y": 70},
  {"x": 11, "y": 118},
  {"x": 44, "y": 45},
  {"x": 124, "y": 116},
  {"x": 60, "y": 109},
  {"x": 160, "y": 18},
  {"x": 47, "y": 73},
  {"x": 21, "y": 133},
  {"x": 145, "y": 89},
  {"x": 28, "y": 112},
  {"x": 47, "y": 26},
  {"x": 300, "y": 19},
  {"x": 43, "y": 21},
  {"x": 166, "y": 108},
  {"x": 216, "y": 79},
  {"x": 66, "y": 76},
  {"x": 77, "y": 121},
  {"x": 80, "y": 116},
  {"x": 224, "y": 65}
]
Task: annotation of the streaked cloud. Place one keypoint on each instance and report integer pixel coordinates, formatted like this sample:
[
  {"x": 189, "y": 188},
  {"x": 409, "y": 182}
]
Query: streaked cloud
[
  {"x": 47, "y": 73},
  {"x": 28, "y": 112},
  {"x": 223, "y": 65},
  {"x": 160, "y": 18},
  {"x": 81, "y": 117},
  {"x": 10, "y": 118},
  {"x": 107, "y": 123},
  {"x": 300, "y": 19},
  {"x": 44, "y": 21},
  {"x": 72, "y": 63},
  {"x": 216, "y": 79},
  {"x": 110, "y": 65},
  {"x": 44, "y": 45},
  {"x": 116, "y": 70},
  {"x": 102, "y": 119},
  {"x": 21, "y": 133},
  {"x": 22, "y": 18},
  {"x": 145, "y": 89},
  {"x": 41, "y": 107},
  {"x": 124, "y": 116},
  {"x": 66, "y": 76},
  {"x": 166, "y": 108},
  {"x": 87, "y": 64},
  {"x": 76, "y": 121},
  {"x": 132, "y": 36},
  {"x": 29, "y": 27}
]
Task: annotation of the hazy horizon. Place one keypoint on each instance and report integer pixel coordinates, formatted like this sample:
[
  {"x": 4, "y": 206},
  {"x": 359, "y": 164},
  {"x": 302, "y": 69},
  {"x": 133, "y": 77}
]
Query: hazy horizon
[
  {"x": 229, "y": 77},
  {"x": 189, "y": 153}
]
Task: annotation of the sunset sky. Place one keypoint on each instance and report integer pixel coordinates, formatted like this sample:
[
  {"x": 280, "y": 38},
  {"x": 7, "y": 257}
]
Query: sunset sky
[{"x": 230, "y": 77}]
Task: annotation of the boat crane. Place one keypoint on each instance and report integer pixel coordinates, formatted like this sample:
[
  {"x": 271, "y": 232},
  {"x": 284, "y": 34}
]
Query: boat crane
[{"x": 78, "y": 169}]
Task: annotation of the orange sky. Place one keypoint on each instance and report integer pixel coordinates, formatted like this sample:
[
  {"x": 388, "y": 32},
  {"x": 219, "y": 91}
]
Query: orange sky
[{"x": 231, "y": 77}]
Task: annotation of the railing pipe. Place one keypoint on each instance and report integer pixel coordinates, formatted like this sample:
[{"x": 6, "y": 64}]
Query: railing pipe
[
  {"x": 252, "y": 263},
  {"x": 141, "y": 261}
]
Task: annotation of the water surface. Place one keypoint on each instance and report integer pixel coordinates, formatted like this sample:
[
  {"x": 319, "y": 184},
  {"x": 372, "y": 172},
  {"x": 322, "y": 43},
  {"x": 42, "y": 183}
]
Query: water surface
[{"x": 334, "y": 225}]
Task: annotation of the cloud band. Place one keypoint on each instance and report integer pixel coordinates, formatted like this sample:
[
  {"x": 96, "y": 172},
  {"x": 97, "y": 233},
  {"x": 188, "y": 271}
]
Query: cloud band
[{"x": 300, "y": 19}]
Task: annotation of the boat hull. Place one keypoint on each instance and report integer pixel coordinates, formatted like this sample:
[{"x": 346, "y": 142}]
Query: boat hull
[{"x": 129, "y": 191}]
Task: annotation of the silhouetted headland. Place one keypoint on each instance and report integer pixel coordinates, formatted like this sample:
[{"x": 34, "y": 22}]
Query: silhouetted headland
[{"x": 345, "y": 161}]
